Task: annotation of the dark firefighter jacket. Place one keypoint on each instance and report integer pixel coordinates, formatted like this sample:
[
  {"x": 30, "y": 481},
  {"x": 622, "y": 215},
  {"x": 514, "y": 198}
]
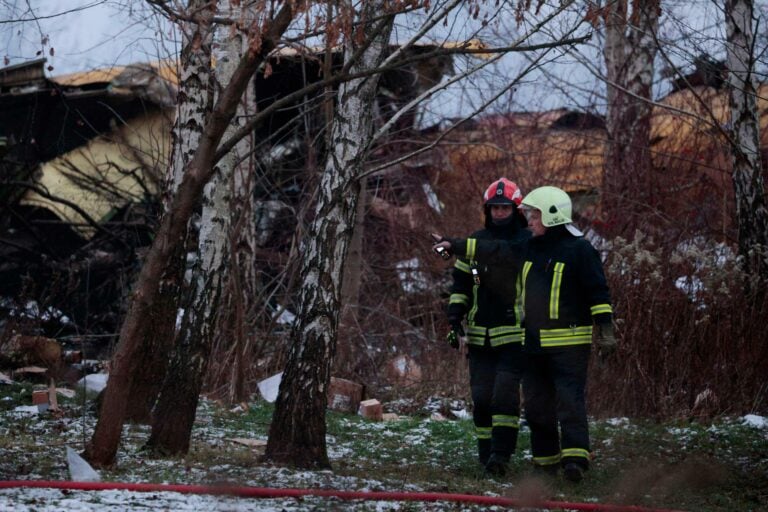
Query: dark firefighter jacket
[
  {"x": 564, "y": 287},
  {"x": 493, "y": 306}
]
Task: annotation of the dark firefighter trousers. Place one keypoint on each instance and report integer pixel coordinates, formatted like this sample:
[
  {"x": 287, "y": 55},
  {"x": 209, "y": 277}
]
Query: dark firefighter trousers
[
  {"x": 494, "y": 376},
  {"x": 554, "y": 387}
]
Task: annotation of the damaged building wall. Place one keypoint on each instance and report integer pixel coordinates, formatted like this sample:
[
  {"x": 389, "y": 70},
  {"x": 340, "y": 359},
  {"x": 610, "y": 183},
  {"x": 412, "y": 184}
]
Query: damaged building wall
[
  {"x": 108, "y": 173},
  {"x": 99, "y": 152},
  {"x": 690, "y": 154}
]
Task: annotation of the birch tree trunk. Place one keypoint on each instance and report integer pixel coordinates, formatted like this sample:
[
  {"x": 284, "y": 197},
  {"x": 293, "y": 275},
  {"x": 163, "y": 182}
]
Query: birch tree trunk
[
  {"x": 102, "y": 449},
  {"x": 347, "y": 358},
  {"x": 240, "y": 291},
  {"x": 193, "y": 106},
  {"x": 297, "y": 432},
  {"x": 748, "y": 186},
  {"x": 213, "y": 282},
  {"x": 629, "y": 186}
]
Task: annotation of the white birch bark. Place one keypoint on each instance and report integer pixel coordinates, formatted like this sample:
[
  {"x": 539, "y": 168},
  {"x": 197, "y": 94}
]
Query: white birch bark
[
  {"x": 195, "y": 103},
  {"x": 748, "y": 186},
  {"x": 102, "y": 449},
  {"x": 297, "y": 432},
  {"x": 236, "y": 171}
]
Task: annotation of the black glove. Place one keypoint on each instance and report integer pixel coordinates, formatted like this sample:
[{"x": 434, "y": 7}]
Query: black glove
[
  {"x": 605, "y": 340},
  {"x": 455, "y": 322},
  {"x": 456, "y": 332}
]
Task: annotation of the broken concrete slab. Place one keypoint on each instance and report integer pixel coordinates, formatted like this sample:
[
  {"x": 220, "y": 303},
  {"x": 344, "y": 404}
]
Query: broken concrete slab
[{"x": 79, "y": 469}]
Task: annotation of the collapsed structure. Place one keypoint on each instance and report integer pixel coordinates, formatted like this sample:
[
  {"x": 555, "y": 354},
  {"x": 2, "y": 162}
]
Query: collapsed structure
[{"x": 83, "y": 159}]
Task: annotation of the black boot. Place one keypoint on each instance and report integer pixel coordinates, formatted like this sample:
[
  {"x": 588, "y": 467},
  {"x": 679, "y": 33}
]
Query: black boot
[
  {"x": 483, "y": 451},
  {"x": 498, "y": 464},
  {"x": 573, "y": 472}
]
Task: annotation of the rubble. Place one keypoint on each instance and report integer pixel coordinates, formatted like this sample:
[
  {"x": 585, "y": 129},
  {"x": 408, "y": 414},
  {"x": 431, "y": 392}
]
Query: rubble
[
  {"x": 344, "y": 395},
  {"x": 39, "y": 396},
  {"x": 94, "y": 383},
  {"x": 371, "y": 409}
]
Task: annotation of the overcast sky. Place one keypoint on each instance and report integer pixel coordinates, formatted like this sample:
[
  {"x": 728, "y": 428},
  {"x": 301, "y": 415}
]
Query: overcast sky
[
  {"x": 77, "y": 35},
  {"x": 83, "y": 34}
]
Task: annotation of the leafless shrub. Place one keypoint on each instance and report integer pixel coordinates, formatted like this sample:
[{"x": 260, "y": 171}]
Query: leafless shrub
[{"x": 687, "y": 329}]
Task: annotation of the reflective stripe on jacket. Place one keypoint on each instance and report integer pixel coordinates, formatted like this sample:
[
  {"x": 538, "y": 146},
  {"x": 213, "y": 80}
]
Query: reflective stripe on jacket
[
  {"x": 493, "y": 308},
  {"x": 563, "y": 285}
]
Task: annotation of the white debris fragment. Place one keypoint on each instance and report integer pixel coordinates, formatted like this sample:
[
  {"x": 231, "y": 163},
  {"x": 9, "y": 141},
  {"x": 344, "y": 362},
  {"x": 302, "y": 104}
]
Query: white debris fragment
[
  {"x": 462, "y": 414},
  {"x": 30, "y": 410},
  {"x": 94, "y": 383},
  {"x": 285, "y": 317},
  {"x": 753, "y": 420},
  {"x": 270, "y": 386},
  {"x": 432, "y": 199},
  {"x": 79, "y": 469}
]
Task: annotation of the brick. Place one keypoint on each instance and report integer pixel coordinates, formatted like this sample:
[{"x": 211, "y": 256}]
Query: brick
[
  {"x": 371, "y": 409},
  {"x": 39, "y": 396},
  {"x": 344, "y": 395}
]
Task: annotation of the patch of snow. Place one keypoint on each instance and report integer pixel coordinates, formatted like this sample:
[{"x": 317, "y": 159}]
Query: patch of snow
[
  {"x": 32, "y": 310},
  {"x": 754, "y": 420},
  {"x": 617, "y": 422},
  {"x": 411, "y": 278},
  {"x": 690, "y": 285}
]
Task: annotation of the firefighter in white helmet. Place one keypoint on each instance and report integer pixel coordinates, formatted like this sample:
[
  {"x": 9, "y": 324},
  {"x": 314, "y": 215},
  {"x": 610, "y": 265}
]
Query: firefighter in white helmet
[
  {"x": 486, "y": 296},
  {"x": 566, "y": 300}
]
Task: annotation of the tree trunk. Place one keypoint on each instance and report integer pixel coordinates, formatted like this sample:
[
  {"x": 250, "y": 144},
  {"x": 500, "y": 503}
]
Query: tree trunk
[
  {"x": 157, "y": 342},
  {"x": 102, "y": 449},
  {"x": 347, "y": 358},
  {"x": 193, "y": 106},
  {"x": 224, "y": 234},
  {"x": 297, "y": 432},
  {"x": 240, "y": 293},
  {"x": 629, "y": 188},
  {"x": 748, "y": 187}
]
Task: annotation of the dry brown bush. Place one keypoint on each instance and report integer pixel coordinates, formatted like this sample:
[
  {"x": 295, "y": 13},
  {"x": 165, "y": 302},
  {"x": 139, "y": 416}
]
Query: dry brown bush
[{"x": 691, "y": 339}]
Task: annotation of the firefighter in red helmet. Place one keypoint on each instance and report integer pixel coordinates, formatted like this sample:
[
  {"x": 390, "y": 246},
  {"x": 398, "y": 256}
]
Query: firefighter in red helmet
[
  {"x": 567, "y": 307},
  {"x": 486, "y": 298}
]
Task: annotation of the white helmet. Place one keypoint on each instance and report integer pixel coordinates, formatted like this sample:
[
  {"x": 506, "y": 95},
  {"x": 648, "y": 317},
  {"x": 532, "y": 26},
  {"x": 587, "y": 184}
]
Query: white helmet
[{"x": 555, "y": 206}]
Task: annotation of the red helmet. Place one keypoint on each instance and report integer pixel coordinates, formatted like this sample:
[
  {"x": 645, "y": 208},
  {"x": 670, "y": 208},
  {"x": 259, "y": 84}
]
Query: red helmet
[{"x": 502, "y": 191}]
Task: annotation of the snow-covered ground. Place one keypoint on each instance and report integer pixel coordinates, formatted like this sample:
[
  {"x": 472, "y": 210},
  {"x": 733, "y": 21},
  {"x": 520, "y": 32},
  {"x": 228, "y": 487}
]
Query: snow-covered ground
[{"x": 429, "y": 454}]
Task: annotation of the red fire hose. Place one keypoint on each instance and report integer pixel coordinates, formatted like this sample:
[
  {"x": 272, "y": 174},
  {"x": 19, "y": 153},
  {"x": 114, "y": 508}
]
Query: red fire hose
[{"x": 267, "y": 492}]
